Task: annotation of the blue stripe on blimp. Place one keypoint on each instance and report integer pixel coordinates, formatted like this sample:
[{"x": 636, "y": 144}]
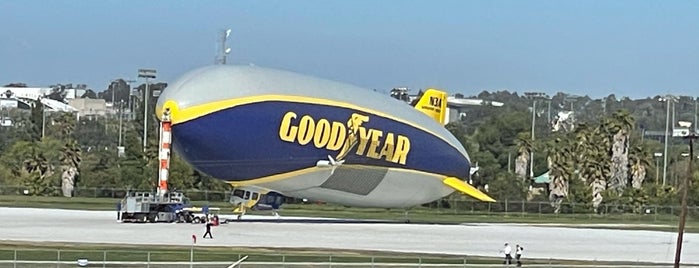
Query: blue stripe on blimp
[{"x": 261, "y": 139}]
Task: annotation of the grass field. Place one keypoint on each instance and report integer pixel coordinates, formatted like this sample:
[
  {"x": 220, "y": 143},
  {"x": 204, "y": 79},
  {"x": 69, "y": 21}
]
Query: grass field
[{"x": 121, "y": 253}]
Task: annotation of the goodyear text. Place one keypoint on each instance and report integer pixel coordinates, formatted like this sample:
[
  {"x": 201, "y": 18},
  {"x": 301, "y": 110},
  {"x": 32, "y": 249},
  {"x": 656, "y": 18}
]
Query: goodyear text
[{"x": 336, "y": 136}]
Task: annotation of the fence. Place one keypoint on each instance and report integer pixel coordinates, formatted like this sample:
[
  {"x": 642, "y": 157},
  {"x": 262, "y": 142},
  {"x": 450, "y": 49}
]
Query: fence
[
  {"x": 206, "y": 258},
  {"x": 196, "y": 195},
  {"x": 568, "y": 210},
  {"x": 507, "y": 207},
  {"x": 202, "y": 258}
]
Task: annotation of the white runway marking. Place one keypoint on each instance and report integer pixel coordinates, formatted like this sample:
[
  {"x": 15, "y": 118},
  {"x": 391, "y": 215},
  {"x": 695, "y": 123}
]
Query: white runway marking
[{"x": 29, "y": 224}]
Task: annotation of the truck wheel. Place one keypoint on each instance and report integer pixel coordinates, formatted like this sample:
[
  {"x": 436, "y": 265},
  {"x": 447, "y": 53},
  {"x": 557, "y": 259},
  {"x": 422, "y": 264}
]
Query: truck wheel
[{"x": 196, "y": 220}]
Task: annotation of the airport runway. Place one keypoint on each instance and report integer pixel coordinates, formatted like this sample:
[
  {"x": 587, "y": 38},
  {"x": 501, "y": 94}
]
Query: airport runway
[{"x": 29, "y": 224}]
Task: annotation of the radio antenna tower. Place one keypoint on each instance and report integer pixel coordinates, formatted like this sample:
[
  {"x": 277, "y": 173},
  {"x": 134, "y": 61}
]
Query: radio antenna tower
[{"x": 221, "y": 58}]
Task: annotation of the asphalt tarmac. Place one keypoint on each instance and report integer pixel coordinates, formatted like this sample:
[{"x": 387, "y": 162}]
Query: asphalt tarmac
[{"x": 55, "y": 225}]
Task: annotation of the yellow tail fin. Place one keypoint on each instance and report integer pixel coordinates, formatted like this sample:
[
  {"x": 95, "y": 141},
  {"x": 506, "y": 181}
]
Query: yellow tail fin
[
  {"x": 434, "y": 104},
  {"x": 467, "y": 189}
]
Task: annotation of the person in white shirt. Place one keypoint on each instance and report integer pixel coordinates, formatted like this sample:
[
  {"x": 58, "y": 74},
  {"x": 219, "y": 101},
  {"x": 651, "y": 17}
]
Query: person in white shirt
[
  {"x": 518, "y": 254},
  {"x": 508, "y": 254}
]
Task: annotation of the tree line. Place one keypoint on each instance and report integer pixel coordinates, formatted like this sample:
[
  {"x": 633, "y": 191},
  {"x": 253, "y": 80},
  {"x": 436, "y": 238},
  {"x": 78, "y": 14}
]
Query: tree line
[
  {"x": 600, "y": 159},
  {"x": 43, "y": 151}
]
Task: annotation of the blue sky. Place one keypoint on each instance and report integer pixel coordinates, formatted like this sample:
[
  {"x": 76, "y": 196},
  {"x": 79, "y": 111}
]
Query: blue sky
[{"x": 628, "y": 48}]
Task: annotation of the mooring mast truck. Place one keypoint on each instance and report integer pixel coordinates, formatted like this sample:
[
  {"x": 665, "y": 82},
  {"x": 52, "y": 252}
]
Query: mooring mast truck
[
  {"x": 162, "y": 205},
  {"x": 150, "y": 207}
]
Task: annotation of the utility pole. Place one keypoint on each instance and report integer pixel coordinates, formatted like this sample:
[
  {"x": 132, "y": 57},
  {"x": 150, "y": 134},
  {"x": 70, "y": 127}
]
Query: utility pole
[
  {"x": 685, "y": 184},
  {"x": 533, "y": 96},
  {"x": 548, "y": 123},
  {"x": 128, "y": 82},
  {"x": 657, "y": 170},
  {"x": 695, "y": 114},
  {"x": 668, "y": 99},
  {"x": 113, "y": 86},
  {"x": 121, "y": 115},
  {"x": 146, "y": 73},
  {"x": 120, "y": 149},
  {"x": 43, "y": 121},
  {"x": 672, "y": 120},
  {"x": 604, "y": 106},
  {"x": 531, "y": 153}
]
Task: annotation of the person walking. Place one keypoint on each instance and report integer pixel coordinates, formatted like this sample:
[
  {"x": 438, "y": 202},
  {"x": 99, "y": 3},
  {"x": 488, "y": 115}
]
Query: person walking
[
  {"x": 118, "y": 210},
  {"x": 208, "y": 230},
  {"x": 518, "y": 255},
  {"x": 508, "y": 254}
]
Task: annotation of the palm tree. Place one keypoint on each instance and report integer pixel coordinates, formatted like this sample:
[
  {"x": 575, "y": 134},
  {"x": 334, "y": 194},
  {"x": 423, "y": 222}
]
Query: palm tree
[
  {"x": 70, "y": 165},
  {"x": 37, "y": 170},
  {"x": 37, "y": 121},
  {"x": 524, "y": 149},
  {"x": 620, "y": 128},
  {"x": 35, "y": 173},
  {"x": 70, "y": 153},
  {"x": 561, "y": 169},
  {"x": 596, "y": 171},
  {"x": 640, "y": 161},
  {"x": 592, "y": 151}
]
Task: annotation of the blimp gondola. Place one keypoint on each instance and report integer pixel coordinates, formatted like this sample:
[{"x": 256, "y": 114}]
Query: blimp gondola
[{"x": 305, "y": 137}]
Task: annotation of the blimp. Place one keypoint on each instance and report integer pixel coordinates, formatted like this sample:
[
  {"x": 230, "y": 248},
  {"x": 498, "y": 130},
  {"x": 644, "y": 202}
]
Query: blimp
[{"x": 273, "y": 133}]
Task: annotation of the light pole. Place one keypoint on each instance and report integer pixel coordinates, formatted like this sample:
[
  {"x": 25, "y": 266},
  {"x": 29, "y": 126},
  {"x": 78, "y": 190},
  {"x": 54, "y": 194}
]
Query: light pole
[
  {"x": 604, "y": 106},
  {"x": 657, "y": 166},
  {"x": 113, "y": 86},
  {"x": 548, "y": 123},
  {"x": 128, "y": 82},
  {"x": 121, "y": 115},
  {"x": 146, "y": 73},
  {"x": 533, "y": 96},
  {"x": 120, "y": 149},
  {"x": 683, "y": 213},
  {"x": 695, "y": 114},
  {"x": 531, "y": 153},
  {"x": 668, "y": 99},
  {"x": 43, "y": 121}
]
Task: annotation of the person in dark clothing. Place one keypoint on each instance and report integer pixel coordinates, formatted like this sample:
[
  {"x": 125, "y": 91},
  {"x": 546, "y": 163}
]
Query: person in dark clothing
[
  {"x": 208, "y": 230},
  {"x": 518, "y": 255},
  {"x": 118, "y": 210},
  {"x": 508, "y": 254}
]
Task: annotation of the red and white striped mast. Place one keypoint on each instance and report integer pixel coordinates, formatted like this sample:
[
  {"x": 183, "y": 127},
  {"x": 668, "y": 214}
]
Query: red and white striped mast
[{"x": 164, "y": 152}]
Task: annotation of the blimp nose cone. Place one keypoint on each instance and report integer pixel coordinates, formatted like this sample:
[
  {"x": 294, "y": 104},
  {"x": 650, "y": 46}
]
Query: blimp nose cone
[{"x": 169, "y": 108}]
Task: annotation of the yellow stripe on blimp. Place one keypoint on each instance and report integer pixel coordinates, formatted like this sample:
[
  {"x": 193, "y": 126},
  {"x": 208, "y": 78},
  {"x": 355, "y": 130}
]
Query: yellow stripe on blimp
[
  {"x": 467, "y": 189},
  {"x": 180, "y": 115}
]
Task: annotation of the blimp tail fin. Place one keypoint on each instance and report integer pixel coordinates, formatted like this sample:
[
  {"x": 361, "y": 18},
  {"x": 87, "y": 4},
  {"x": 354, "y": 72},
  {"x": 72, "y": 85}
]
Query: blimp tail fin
[
  {"x": 466, "y": 188},
  {"x": 434, "y": 104}
]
